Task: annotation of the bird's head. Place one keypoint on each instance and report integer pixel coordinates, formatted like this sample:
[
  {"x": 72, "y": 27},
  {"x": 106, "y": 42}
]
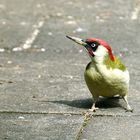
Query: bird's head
[{"x": 96, "y": 48}]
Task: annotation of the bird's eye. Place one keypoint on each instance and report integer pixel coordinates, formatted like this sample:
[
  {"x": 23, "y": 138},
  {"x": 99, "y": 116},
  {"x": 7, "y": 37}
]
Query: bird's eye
[{"x": 93, "y": 45}]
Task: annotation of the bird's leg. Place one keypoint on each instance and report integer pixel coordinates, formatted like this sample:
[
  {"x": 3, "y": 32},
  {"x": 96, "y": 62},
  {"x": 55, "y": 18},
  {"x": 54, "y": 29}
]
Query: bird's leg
[
  {"x": 128, "y": 108},
  {"x": 93, "y": 108}
]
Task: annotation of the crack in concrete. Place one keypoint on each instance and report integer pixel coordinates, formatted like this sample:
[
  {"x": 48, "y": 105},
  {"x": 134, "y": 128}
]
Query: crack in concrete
[
  {"x": 34, "y": 112},
  {"x": 85, "y": 122},
  {"x": 87, "y": 114}
]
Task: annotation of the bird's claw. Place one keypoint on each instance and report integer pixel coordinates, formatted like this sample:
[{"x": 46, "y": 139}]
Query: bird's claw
[
  {"x": 90, "y": 112},
  {"x": 93, "y": 109},
  {"x": 129, "y": 110}
]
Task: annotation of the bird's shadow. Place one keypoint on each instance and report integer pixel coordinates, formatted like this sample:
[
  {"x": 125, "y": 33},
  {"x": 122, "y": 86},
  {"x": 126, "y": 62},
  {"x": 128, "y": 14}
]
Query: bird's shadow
[{"x": 87, "y": 103}]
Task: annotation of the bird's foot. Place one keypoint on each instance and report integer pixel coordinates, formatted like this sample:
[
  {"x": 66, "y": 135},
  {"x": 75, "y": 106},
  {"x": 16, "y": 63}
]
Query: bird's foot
[
  {"x": 93, "y": 109},
  {"x": 129, "y": 109},
  {"x": 90, "y": 112}
]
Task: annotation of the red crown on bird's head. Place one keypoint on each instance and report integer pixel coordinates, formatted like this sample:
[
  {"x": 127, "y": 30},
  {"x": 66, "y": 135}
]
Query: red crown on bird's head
[{"x": 104, "y": 44}]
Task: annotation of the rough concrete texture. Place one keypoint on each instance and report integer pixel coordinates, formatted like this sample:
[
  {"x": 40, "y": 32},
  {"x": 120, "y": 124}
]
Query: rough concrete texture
[
  {"x": 43, "y": 92},
  {"x": 38, "y": 127},
  {"x": 121, "y": 128}
]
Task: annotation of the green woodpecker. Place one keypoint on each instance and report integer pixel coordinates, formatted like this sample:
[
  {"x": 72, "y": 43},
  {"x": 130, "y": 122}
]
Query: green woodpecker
[{"x": 105, "y": 75}]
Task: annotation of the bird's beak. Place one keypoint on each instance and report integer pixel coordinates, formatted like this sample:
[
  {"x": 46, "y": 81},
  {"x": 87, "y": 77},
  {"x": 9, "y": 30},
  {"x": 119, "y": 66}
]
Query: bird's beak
[
  {"x": 77, "y": 40},
  {"x": 83, "y": 43}
]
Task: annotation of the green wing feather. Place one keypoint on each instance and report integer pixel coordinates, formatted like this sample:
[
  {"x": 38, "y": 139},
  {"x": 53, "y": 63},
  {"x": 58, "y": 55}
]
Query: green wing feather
[{"x": 114, "y": 64}]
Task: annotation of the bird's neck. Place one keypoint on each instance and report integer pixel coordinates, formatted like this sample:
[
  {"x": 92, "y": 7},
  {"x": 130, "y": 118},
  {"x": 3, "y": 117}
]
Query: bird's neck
[
  {"x": 105, "y": 64},
  {"x": 99, "y": 60},
  {"x": 99, "y": 55},
  {"x": 101, "y": 65}
]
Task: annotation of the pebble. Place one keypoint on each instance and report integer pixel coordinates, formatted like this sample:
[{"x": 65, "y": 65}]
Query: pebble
[
  {"x": 50, "y": 33},
  {"x": 21, "y": 117},
  {"x": 2, "y": 49}
]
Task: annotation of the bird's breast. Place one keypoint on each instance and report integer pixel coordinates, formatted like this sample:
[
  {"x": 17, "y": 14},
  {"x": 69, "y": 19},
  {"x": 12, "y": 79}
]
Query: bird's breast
[{"x": 106, "y": 84}]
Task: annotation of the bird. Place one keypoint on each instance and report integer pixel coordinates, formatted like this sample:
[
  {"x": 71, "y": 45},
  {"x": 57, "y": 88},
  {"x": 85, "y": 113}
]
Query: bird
[{"x": 105, "y": 75}]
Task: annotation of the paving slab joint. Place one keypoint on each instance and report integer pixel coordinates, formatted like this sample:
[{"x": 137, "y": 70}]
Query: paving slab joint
[
  {"x": 36, "y": 112},
  {"x": 87, "y": 118}
]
